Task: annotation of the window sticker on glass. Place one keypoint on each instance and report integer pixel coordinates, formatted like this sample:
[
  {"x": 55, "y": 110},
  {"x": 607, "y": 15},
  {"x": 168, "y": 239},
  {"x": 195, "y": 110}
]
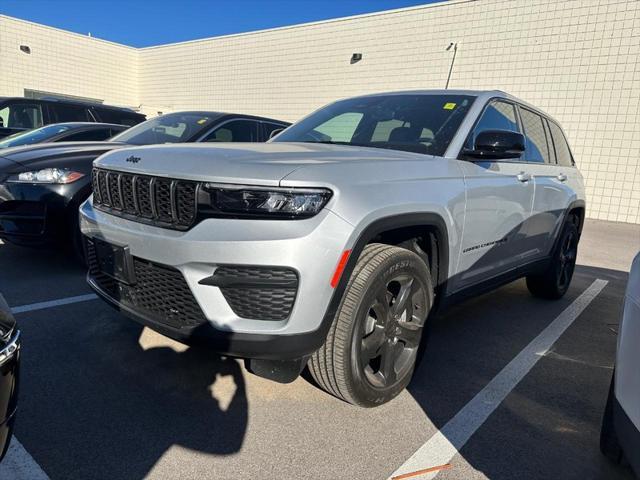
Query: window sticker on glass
[
  {"x": 202, "y": 121},
  {"x": 449, "y": 106}
]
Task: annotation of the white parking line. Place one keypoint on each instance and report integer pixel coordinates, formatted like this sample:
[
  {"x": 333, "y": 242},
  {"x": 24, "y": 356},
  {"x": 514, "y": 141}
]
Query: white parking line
[
  {"x": 445, "y": 444},
  {"x": 19, "y": 465},
  {"x": 53, "y": 303}
]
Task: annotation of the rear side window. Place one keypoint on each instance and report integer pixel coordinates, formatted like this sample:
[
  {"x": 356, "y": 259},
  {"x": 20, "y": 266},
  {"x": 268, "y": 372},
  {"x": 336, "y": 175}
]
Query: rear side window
[
  {"x": 71, "y": 113},
  {"x": 235, "y": 131},
  {"x": 537, "y": 149},
  {"x": 563, "y": 154},
  {"x": 118, "y": 117},
  {"x": 88, "y": 136},
  {"x": 21, "y": 115}
]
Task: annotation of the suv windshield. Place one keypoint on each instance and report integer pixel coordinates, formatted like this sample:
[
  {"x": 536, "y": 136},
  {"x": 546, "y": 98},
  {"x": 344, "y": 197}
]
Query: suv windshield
[
  {"x": 170, "y": 128},
  {"x": 33, "y": 136},
  {"x": 412, "y": 122}
]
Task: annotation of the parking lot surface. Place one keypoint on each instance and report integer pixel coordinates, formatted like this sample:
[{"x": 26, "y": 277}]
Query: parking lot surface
[{"x": 103, "y": 398}]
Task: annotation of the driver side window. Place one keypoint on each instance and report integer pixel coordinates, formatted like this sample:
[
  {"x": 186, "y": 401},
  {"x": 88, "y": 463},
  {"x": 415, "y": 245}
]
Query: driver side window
[
  {"x": 497, "y": 116},
  {"x": 235, "y": 131}
]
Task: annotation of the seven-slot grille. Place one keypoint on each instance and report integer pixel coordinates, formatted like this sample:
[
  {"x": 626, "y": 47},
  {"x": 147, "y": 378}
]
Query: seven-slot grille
[{"x": 168, "y": 202}]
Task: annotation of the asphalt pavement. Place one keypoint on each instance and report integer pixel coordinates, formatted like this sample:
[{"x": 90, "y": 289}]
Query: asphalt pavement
[{"x": 103, "y": 398}]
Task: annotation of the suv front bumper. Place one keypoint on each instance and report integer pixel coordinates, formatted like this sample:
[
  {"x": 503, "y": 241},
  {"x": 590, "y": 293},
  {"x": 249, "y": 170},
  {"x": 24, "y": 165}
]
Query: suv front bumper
[{"x": 185, "y": 263}]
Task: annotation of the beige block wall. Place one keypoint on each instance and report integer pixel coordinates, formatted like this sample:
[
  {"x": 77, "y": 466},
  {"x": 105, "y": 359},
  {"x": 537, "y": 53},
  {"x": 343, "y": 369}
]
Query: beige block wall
[
  {"x": 576, "y": 59},
  {"x": 67, "y": 63}
]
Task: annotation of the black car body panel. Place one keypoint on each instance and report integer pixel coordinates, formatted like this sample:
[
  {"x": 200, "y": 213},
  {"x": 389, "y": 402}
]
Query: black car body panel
[
  {"x": 27, "y": 113},
  {"x": 69, "y": 131},
  {"x": 43, "y": 214},
  {"x": 9, "y": 374},
  {"x": 40, "y": 214}
]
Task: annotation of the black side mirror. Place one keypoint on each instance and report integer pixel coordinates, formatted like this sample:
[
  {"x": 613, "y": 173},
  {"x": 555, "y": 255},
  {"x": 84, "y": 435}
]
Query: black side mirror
[{"x": 496, "y": 144}]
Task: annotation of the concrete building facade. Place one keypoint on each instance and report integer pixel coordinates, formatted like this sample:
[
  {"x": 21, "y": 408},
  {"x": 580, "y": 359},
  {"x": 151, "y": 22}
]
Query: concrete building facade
[{"x": 576, "y": 59}]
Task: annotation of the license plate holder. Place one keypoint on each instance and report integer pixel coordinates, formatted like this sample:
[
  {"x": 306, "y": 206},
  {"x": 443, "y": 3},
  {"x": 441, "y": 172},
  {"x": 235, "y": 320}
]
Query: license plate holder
[{"x": 114, "y": 261}]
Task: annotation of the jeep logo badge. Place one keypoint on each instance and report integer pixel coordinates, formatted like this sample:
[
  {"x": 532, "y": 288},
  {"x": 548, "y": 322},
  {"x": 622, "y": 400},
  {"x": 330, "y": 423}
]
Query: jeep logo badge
[{"x": 133, "y": 159}]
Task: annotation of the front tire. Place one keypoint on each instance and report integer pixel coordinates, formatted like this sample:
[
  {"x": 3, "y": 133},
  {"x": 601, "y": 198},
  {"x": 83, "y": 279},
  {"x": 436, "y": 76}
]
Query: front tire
[
  {"x": 554, "y": 282},
  {"x": 370, "y": 352}
]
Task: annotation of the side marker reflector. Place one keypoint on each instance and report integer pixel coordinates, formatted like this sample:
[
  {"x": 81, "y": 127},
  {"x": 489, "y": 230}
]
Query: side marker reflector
[{"x": 340, "y": 268}]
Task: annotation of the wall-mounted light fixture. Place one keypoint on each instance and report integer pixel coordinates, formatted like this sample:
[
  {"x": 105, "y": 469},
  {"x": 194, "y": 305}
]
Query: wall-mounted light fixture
[
  {"x": 355, "y": 58},
  {"x": 25, "y": 49}
]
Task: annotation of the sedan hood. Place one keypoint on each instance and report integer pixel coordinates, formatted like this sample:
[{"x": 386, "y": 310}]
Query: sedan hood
[
  {"x": 45, "y": 155},
  {"x": 243, "y": 163}
]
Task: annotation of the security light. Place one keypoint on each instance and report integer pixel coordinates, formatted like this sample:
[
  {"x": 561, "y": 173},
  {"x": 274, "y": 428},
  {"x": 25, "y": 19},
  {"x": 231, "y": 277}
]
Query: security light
[
  {"x": 25, "y": 48},
  {"x": 355, "y": 58}
]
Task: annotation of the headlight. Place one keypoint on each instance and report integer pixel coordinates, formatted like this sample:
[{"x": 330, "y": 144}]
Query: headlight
[
  {"x": 265, "y": 202},
  {"x": 47, "y": 175}
]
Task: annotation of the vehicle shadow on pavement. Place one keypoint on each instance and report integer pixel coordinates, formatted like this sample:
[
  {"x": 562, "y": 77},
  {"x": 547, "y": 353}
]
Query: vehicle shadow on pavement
[
  {"x": 129, "y": 404},
  {"x": 548, "y": 427}
]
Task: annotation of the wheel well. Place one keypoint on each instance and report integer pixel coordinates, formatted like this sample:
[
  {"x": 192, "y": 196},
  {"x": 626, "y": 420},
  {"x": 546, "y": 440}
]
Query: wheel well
[
  {"x": 427, "y": 241},
  {"x": 577, "y": 217}
]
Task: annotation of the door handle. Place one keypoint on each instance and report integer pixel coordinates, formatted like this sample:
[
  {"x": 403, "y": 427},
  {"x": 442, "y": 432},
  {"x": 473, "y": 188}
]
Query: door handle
[
  {"x": 562, "y": 177},
  {"x": 523, "y": 177}
]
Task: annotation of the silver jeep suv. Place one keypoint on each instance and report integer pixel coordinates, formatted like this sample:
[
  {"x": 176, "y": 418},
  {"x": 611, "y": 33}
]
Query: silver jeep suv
[{"x": 329, "y": 246}]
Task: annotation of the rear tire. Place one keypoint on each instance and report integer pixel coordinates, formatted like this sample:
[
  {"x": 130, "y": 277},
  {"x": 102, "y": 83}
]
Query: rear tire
[
  {"x": 553, "y": 283},
  {"x": 609, "y": 444},
  {"x": 370, "y": 351}
]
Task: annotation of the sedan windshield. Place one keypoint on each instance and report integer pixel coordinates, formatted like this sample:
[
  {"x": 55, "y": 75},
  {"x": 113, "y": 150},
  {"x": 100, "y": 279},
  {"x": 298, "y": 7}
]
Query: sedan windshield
[
  {"x": 170, "y": 128},
  {"x": 38, "y": 135},
  {"x": 410, "y": 122}
]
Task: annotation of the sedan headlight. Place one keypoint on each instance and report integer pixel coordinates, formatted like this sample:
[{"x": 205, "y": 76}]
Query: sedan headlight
[
  {"x": 266, "y": 202},
  {"x": 47, "y": 175}
]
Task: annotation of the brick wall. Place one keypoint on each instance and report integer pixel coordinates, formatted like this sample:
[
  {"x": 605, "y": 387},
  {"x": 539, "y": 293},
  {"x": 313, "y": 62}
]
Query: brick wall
[
  {"x": 66, "y": 63},
  {"x": 575, "y": 59}
]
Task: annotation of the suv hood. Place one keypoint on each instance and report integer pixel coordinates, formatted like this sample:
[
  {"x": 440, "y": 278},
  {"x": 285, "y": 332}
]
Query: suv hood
[
  {"x": 43, "y": 155},
  {"x": 242, "y": 163}
]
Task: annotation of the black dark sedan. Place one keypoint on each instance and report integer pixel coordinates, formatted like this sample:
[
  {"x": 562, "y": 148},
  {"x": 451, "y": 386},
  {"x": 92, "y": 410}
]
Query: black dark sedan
[
  {"x": 42, "y": 186},
  {"x": 9, "y": 374},
  {"x": 64, "y": 132}
]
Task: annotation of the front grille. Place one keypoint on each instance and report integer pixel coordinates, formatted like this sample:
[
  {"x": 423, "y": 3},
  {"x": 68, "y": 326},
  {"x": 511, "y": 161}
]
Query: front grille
[
  {"x": 159, "y": 292},
  {"x": 260, "y": 293},
  {"x": 169, "y": 203}
]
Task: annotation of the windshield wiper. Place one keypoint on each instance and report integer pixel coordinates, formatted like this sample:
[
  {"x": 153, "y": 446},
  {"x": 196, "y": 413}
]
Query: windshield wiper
[
  {"x": 332, "y": 142},
  {"x": 403, "y": 147}
]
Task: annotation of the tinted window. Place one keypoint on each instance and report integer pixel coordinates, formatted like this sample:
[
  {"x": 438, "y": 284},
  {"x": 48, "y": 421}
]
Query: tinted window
[
  {"x": 170, "y": 128},
  {"x": 269, "y": 128},
  {"x": 552, "y": 153},
  {"x": 38, "y": 135},
  {"x": 415, "y": 123},
  {"x": 563, "y": 154},
  {"x": 21, "y": 115},
  {"x": 87, "y": 136},
  {"x": 498, "y": 116},
  {"x": 119, "y": 117},
  {"x": 71, "y": 113},
  {"x": 234, "y": 131},
  {"x": 537, "y": 149}
]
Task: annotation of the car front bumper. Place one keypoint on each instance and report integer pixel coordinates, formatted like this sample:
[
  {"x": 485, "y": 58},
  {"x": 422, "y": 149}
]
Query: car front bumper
[
  {"x": 36, "y": 214},
  {"x": 9, "y": 380},
  {"x": 173, "y": 266}
]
